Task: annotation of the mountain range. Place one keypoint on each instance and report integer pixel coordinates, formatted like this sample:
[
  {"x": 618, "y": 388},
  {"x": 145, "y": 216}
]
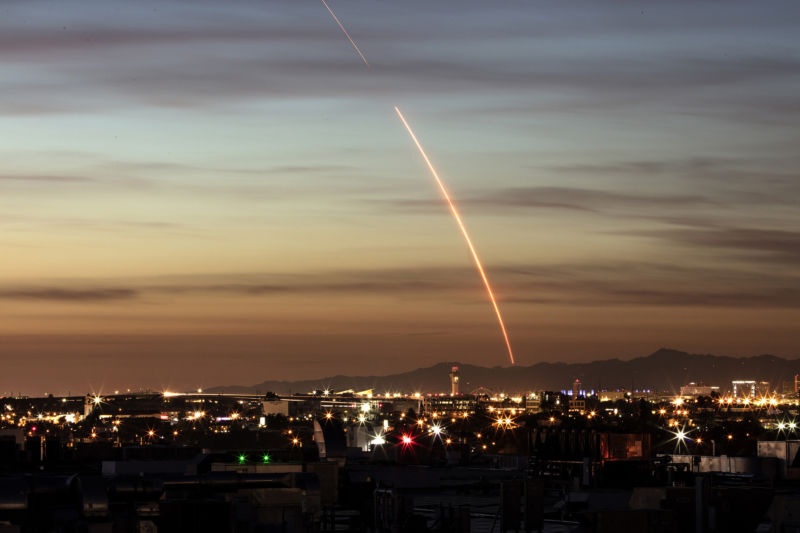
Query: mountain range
[{"x": 664, "y": 370}]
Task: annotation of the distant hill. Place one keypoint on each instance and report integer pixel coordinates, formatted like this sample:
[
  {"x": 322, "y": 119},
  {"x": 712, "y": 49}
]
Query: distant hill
[{"x": 664, "y": 370}]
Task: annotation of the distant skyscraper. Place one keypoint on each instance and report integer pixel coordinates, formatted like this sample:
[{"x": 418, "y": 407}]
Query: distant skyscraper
[
  {"x": 576, "y": 388},
  {"x": 454, "y": 381}
]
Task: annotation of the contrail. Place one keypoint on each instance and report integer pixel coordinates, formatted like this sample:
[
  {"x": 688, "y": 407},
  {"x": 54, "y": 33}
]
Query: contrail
[
  {"x": 463, "y": 232},
  {"x": 364, "y": 59}
]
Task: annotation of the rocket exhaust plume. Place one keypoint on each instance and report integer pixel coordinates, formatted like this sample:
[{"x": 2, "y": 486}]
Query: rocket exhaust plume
[
  {"x": 364, "y": 59},
  {"x": 463, "y": 228},
  {"x": 446, "y": 195}
]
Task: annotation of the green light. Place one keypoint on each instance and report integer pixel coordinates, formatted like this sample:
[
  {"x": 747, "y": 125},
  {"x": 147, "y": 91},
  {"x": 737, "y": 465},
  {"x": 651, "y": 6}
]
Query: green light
[
  {"x": 242, "y": 459},
  {"x": 266, "y": 458}
]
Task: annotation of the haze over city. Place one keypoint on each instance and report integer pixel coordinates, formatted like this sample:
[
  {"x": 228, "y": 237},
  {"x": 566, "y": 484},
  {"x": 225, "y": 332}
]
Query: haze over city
[{"x": 201, "y": 193}]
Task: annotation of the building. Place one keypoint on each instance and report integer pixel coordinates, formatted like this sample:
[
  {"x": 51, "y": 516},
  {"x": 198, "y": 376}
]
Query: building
[
  {"x": 275, "y": 406},
  {"x": 576, "y": 388},
  {"x": 577, "y": 403},
  {"x": 451, "y": 406},
  {"x": 695, "y": 390},
  {"x": 743, "y": 388},
  {"x": 454, "y": 381}
]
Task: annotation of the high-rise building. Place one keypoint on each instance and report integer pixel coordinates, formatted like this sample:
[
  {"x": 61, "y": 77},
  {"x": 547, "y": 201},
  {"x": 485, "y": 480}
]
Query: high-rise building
[
  {"x": 454, "y": 381},
  {"x": 576, "y": 388}
]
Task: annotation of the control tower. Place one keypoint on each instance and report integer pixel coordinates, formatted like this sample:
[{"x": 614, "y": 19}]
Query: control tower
[{"x": 454, "y": 381}]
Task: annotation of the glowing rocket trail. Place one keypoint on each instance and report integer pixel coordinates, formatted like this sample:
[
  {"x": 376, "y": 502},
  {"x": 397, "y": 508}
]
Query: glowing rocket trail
[
  {"x": 446, "y": 195},
  {"x": 364, "y": 59},
  {"x": 463, "y": 228}
]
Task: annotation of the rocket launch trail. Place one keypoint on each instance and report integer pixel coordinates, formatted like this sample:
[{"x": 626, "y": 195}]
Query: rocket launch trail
[
  {"x": 364, "y": 59},
  {"x": 464, "y": 232},
  {"x": 447, "y": 197}
]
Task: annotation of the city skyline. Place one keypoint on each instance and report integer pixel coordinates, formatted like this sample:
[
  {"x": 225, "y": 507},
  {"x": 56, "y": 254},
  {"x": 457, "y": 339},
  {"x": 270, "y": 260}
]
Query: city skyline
[{"x": 194, "y": 192}]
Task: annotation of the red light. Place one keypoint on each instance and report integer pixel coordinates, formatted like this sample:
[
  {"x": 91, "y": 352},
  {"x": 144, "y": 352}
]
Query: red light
[{"x": 33, "y": 428}]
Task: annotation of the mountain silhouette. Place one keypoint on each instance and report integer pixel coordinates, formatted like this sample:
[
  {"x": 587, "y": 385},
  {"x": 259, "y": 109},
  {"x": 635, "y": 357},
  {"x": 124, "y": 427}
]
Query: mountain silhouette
[{"x": 664, "y": 370}]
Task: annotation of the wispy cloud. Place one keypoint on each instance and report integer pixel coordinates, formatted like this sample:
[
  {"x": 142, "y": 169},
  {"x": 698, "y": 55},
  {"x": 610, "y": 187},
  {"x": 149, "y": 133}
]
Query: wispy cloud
[
  {"x": 780, "y": 245},
  {"x": 579, "y": 199},
  {"x": 51, "y": 179},
  {"x": 622, "y": 283},
  {"x": 69, "y": 295}
]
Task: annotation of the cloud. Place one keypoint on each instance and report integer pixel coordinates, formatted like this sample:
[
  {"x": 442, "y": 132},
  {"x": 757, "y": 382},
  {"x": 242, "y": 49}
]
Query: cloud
[
  {"x": 53, "y": 179},
  {"x": 771, "y": 171},
  {"x": 622, "y": 283},
  {"x": 69, "y": 295},
  {"x": 780, "y": 245},
  {"x": 194, "y": 54},
  {"x": 579, "y": 199}
]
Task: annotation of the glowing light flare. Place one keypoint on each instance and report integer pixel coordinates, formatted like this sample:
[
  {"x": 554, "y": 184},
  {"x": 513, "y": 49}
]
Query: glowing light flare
[
  {"x": 681, "y": 436},
  {"x": 464, "y": 232},
  {"x": 355, "y": 46},
  {"x": 504, "y": 422}
]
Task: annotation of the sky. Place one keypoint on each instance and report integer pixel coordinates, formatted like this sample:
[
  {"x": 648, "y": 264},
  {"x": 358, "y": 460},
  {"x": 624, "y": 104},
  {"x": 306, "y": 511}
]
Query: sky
[{"x": 198, "y": 193}]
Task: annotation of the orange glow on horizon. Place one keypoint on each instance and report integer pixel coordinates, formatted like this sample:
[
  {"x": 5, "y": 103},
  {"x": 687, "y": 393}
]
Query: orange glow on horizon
[
  {"x": 463, "y": 228},
  {"x": 364, "y": 59}
]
